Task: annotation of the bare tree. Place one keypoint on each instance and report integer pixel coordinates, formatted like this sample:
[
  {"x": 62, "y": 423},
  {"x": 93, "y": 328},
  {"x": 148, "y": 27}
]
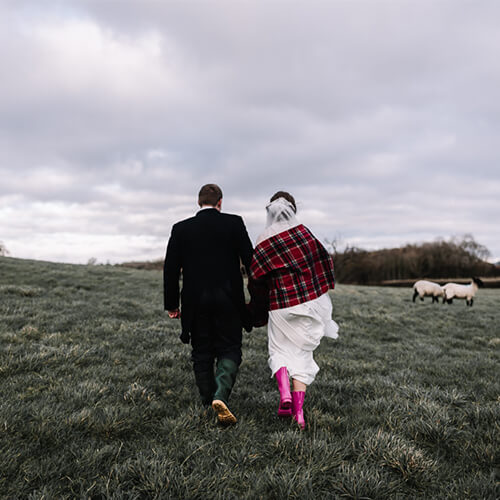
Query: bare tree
[
  {"x": 333, "y": 244},
  {"x": 3, "y": 249},
  {"x": 474, "y": 248}
]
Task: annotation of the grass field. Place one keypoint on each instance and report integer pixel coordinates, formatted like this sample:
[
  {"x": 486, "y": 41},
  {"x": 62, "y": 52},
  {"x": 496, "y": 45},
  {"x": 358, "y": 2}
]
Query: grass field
[{"x": 98, "y": 399}]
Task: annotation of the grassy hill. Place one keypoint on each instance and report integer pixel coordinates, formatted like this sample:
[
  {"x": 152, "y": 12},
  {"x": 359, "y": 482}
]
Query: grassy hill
[{"x": 98, "y": 398}]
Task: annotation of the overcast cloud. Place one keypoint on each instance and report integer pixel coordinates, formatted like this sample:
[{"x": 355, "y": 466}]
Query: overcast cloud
[{"x": 382, "y": 118}]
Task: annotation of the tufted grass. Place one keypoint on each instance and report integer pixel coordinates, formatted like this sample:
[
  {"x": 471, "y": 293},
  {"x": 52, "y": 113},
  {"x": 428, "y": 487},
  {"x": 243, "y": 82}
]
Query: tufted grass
[{"x": 98, "y": 399}]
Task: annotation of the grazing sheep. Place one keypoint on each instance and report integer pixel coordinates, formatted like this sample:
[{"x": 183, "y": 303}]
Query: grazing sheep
[
  {"x": 456, "y": 291},
  {"x": 425, "y": 288}
]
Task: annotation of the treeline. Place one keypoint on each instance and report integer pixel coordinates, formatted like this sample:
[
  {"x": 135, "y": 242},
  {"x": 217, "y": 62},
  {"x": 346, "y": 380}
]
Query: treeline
[
  {"x": 455, "y": 258},
  {"x": 149, "y": 265}
]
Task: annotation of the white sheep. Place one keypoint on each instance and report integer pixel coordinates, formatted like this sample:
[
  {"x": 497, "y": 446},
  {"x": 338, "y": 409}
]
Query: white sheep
[
  {"x": 425, "y": 288},
  {"x": 456, "y": 291}
]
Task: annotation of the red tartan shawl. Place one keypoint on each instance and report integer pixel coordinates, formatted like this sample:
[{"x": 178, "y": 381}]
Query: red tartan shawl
[{"x": 295, "y": 265}]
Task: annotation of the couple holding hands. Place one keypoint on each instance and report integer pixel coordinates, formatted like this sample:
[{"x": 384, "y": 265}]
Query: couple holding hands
[{"x": 289, "y": 275}]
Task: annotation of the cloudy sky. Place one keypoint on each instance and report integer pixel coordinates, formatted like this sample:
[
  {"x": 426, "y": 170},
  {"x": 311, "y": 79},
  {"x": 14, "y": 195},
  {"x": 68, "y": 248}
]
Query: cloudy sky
[{"x": 381, "y": 117}]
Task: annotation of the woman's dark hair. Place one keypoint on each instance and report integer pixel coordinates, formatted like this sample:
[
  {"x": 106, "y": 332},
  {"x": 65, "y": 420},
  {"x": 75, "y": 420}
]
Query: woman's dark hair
[
  {"x": 288, "y": 197},
  {"x": 209, "y": 194}
]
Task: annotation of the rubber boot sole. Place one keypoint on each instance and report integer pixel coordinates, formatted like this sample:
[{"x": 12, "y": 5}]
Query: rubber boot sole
[
  {"x": 224, "y": 414},
  {"x": 285, "y": 409}
]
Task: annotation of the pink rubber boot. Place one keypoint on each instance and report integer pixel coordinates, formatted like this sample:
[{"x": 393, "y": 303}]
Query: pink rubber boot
[
  {"x": 297, "y": 411},
  {"x": 285, "y": 407}
]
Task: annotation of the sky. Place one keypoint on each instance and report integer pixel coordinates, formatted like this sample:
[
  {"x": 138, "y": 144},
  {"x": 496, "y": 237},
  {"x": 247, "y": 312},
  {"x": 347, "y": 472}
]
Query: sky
[{"x": 380, "y": 117}]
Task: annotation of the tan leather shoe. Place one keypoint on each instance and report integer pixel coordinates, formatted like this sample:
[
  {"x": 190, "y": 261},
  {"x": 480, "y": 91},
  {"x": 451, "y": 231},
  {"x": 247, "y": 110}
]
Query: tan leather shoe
[{"x": 224, "y": 414}]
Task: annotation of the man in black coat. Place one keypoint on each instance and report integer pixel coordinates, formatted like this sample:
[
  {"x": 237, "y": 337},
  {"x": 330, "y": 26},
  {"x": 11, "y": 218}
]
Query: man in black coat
[{"x": 207, "y": 249}]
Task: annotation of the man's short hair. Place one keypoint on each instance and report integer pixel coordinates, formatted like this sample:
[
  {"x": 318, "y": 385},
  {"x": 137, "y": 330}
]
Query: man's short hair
[
  {"x": 288, "y": 197},
  {"x": 209, "y": 194}
]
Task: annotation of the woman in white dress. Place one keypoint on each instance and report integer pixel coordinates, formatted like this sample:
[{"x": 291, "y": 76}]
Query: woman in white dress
[{"x": 298, "y": 272}]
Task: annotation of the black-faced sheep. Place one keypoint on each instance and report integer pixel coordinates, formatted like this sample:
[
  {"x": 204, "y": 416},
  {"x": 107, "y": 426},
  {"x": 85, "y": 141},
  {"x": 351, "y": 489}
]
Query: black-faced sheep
[
  {"x": 425, "y": 288},
  {"x": 456, "y": 291}
]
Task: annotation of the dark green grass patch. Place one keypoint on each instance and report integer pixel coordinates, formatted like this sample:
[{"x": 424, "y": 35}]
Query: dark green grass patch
[{"x": 98, "y": 399}]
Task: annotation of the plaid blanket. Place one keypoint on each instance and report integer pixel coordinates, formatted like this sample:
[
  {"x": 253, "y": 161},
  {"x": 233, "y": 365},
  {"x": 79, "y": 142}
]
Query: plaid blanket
[{"x": 295, "y": 265}]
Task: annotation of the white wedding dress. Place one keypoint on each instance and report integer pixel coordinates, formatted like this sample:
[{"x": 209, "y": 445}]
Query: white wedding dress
[{"x": 294, "y": 332}]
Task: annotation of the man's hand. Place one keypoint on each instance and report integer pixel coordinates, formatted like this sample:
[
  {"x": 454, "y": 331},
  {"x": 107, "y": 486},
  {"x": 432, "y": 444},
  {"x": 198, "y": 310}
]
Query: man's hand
[{"x": 175, "y": 314}]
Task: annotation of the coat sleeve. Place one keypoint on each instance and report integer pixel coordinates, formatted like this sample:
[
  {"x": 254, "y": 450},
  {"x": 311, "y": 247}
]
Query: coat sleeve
[
  {"x": 258, "y": 288},
  {"x": 259, "y": 302},
  {"x": 171, "y": 271},
  {"x": 245, "y": 247}
]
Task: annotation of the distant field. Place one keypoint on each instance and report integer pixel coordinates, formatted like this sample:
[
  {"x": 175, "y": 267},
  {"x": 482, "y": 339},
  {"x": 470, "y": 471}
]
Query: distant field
[{"x": 98, "y": 401}]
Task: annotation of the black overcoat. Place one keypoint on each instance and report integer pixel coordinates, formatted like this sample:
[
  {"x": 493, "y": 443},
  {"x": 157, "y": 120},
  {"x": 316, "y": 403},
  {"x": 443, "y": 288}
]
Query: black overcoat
[{"x": 207, "y": 249}]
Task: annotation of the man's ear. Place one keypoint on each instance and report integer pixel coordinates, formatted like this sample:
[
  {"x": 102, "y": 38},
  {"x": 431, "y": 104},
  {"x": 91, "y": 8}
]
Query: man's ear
[{"x": 219, "y": 205}]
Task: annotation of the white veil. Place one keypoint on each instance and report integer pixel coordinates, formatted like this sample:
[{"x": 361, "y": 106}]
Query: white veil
[{"x": 280, "y": 217}]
